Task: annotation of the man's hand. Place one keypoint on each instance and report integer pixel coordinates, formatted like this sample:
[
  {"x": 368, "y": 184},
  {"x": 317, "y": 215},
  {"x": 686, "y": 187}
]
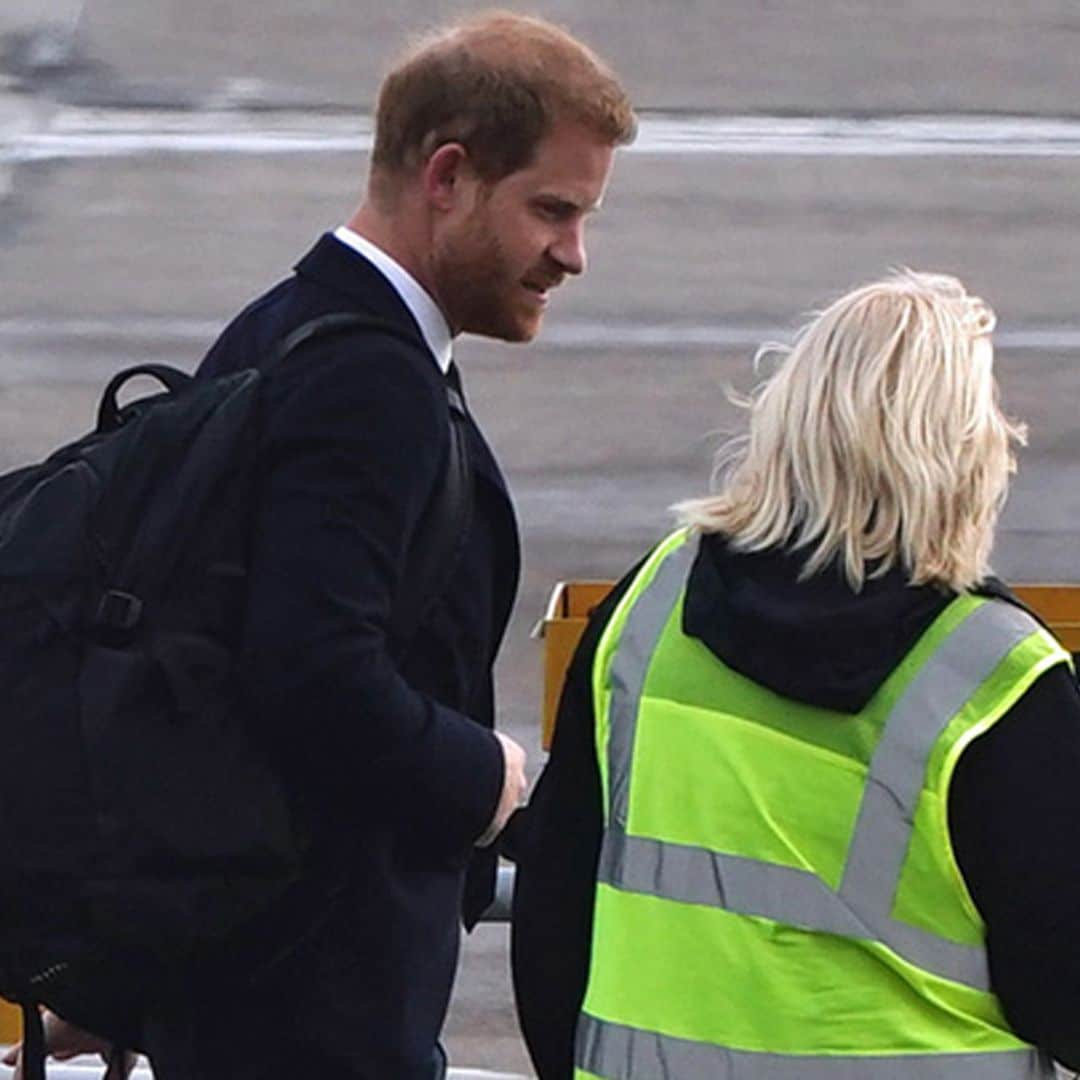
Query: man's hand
[
  {"x": 513, "y": 790},
  {"x": 64, "y": 1041}
]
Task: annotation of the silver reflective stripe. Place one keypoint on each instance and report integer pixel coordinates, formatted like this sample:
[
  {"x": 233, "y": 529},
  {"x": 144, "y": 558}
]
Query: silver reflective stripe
[
  {"x": 963, "y": 662},
  {"x": 629, "y": 666},
  {"x": 616, "y": 1052},
  {"x": 882, "y": 834},
  {"x": 695, "y": 875},
  {"x": 863, "y": 906},
  {"x": 785, "y": 894}
]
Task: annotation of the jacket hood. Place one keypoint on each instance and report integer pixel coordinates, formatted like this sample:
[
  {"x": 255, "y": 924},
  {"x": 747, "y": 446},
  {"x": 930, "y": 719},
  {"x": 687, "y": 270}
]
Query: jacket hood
[{"x": 817, "y": 640}]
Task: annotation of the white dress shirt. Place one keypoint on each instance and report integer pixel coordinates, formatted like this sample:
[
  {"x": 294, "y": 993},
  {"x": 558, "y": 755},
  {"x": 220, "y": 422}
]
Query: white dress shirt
[{"x": 413, "y": 295}]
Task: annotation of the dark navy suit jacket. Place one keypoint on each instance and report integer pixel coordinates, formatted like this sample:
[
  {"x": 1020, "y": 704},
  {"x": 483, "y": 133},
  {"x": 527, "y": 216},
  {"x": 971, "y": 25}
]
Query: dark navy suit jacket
[{"x": 393, "y": 763}]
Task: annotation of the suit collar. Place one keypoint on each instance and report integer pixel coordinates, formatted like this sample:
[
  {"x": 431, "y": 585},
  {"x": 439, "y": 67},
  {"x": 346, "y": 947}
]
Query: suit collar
[
  {"x": 337, "y": 267},
  {"x": 417, "y": 299}
]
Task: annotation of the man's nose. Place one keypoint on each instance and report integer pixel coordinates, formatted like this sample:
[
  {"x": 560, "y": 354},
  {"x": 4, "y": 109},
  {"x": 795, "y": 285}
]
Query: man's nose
[{"x": 569, "y": 250}]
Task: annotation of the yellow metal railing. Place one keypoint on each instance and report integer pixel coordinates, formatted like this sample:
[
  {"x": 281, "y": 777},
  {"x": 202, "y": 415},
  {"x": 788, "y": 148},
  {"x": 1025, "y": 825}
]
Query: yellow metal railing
[{"x": 571, "y": 603}]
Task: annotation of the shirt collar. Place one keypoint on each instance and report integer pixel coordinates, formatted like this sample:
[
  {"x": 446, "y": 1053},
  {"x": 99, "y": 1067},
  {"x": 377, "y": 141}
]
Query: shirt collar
[{"x": 414, "y": 296}]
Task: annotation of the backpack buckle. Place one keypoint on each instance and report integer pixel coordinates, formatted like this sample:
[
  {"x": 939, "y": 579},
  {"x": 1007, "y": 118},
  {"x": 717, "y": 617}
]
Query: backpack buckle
[{"x": 118, "y": 610}]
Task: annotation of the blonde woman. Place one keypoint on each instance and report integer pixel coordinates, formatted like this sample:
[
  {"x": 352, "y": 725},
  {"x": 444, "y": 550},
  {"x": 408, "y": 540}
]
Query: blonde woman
[{"x": 812, "y": 807}]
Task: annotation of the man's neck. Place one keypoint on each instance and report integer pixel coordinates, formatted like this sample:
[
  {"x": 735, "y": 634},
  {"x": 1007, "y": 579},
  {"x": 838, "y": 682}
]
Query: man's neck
[
  {"x": 384, "y": 232},
  {"x": 421, "y": 304}
]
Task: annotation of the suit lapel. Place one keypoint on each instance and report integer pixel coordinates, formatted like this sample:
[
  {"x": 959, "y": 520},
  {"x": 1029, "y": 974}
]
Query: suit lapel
[{"x": 336, "y": 267}]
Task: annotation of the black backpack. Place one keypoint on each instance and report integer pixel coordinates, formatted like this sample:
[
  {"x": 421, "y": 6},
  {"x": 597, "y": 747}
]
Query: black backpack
[{"x": 138, "y": 821}]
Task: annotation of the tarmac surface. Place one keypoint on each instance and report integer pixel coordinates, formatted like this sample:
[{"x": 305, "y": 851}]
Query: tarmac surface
[{"x": 121, "y": 239}]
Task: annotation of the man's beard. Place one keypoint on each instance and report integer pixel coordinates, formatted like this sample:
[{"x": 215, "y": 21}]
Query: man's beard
[{"x": 480, "y": 288}]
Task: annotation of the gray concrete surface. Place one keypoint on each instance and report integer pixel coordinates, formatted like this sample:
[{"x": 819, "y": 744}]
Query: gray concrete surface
[
  {"x": 19, "y": 15},
  {"x": 831, "y": 55},
  {"x": 89, "y": 1068},
  {"x": 614, "y": 413}
]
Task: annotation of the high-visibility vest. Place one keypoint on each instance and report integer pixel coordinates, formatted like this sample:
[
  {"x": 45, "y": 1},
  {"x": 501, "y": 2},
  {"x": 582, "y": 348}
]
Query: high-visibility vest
[{"x": 777, "y": 894}]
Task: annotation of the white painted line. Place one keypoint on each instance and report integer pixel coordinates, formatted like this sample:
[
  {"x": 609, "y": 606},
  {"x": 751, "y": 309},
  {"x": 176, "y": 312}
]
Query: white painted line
[
  {"x": 73, "y": 330},
  {"x": 75, "y": 133},
  {"x": 585, "y": 335},
  {"x": 85, "y": 1068},
  {"x": 483, "y": 1074},
  {"x": 573, "y": 334}
]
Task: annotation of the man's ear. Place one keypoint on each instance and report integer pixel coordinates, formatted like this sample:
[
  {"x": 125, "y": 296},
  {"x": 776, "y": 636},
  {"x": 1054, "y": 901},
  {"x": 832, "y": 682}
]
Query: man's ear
[{"x": 445, "y": 174}]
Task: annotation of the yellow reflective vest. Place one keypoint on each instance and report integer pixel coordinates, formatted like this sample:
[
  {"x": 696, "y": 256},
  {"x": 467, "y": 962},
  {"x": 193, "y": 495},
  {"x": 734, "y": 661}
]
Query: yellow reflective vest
[{"x": 777, "y": 895}]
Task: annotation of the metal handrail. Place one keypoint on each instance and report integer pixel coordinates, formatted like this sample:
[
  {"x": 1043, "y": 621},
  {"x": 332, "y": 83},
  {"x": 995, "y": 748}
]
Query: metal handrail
[
  {"x": 91, "y": 1068},
  {"x": 501, "y": 906}
]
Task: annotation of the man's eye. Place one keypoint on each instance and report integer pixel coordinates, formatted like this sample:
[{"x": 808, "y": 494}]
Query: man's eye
[{"x": 555, "y": 211}]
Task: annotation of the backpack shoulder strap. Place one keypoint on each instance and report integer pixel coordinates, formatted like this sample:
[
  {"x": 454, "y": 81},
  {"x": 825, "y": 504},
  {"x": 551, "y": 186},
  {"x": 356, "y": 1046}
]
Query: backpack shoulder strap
[
  {"x": 439, "y": 538},
  {"x": 338, "y": 322},
  {"x": 444, "y": 523}
]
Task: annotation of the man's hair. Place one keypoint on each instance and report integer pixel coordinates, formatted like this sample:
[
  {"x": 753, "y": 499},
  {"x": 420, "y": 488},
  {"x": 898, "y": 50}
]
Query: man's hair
[
  {"x": 879, "y": 441},
  {"x": 495, "y": 82}
]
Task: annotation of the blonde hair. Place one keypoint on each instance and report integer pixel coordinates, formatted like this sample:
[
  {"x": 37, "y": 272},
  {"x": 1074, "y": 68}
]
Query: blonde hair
[
  {"x": 494, "y": 82},
  {"x": 878, "y": 443}
]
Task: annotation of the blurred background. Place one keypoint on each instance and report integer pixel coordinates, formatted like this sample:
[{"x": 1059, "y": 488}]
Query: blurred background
[{"x": 163, "y": 161}]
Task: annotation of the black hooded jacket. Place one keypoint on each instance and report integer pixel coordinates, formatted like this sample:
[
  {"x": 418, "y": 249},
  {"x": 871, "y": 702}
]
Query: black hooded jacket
[{"x": 1014, "y": 805}]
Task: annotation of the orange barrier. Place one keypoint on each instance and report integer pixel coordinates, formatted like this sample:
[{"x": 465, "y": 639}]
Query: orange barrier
[
  {"x": 571, "y": 603},
  {"x": 567, "y": 612},
  {"x": 10, "y": 1023},
  {"x": 1059, "y": 608}
]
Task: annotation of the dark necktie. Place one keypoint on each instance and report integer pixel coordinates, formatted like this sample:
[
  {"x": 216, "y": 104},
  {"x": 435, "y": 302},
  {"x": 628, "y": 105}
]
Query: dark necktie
[
  {"x": 454, "y": 390},
  {"x": 480, "y": 876}
]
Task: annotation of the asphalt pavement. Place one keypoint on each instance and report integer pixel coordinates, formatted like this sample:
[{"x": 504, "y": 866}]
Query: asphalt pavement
[{"x": 139, "y": 243}]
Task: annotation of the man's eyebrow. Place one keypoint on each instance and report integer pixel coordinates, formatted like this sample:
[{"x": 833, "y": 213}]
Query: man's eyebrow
[{"x": 568, "y": 202}]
